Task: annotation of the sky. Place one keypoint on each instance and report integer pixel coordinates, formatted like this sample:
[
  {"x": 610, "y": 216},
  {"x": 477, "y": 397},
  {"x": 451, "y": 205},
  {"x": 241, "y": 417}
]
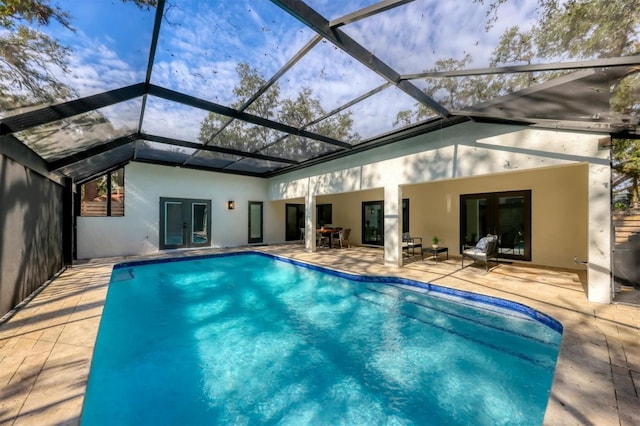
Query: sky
[{"x": 202, "y": 42}]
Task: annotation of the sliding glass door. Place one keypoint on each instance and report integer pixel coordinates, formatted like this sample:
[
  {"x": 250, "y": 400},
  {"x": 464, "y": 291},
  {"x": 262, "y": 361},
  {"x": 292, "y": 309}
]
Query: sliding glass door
[
  {"x": 505, "y": 214},
  {"x": 184, "y": 223}
]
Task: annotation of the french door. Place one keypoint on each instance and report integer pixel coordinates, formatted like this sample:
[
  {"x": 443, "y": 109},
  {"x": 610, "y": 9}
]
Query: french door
[
  {"x": 184, "y": 223},
  {"x": 505, "y": 214}
]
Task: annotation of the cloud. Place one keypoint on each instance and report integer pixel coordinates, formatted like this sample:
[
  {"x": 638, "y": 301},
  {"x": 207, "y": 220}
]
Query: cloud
[
  {"x": 172, "y": 120},
  {"x": 410, "y": 38},
  {"x": 95, "y": 68},
  {"x": 201, "y": 43}
]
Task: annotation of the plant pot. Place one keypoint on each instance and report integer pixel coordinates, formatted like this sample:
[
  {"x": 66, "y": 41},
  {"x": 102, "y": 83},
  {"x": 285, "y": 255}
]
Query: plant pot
[{"x": 435, "y": 246}]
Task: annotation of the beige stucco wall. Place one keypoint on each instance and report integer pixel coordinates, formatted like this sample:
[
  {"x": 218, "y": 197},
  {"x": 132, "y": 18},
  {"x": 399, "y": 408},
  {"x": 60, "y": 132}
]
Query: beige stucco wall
[
  {"x": 559, "y": 200},
  {"x": 559, "y": 214}
]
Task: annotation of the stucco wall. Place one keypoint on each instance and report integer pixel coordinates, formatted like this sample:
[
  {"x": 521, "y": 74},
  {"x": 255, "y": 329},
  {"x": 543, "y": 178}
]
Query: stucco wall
[
  {"x": 559, "y": 210},
  {"x": 137, "y": 231},
  {"x": 466, "y": 150}
]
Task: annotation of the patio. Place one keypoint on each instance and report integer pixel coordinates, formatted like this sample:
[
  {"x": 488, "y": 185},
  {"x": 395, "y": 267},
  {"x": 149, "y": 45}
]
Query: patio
[{"x": 46, "y": 347}]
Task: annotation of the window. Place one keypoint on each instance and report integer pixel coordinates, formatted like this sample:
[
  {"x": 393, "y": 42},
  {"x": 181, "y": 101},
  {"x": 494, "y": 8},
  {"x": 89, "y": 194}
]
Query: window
[
  {"x": 324, "y": 214},
  {"x": 103, "y": 196}
]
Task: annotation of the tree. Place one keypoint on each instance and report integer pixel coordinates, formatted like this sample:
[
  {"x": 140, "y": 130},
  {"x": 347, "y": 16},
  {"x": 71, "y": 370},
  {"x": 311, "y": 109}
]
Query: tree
[
  {"x": 29, "y": 57},
  {"x": 626, "y": 165},
  {"x": 565, "y": 29},
  {"x": 299, "y": 113}
]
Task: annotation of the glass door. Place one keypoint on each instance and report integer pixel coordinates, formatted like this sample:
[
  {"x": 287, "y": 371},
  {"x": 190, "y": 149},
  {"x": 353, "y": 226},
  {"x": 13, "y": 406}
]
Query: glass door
[
  {"x": 184, "y": 223},
  {"x": 199, "y": 220},
  {"x": 505, "y": 214},
  {"x": 255, "y": 222},
  {"x": 175, "y": 224},
  {"x": 294, "y": 221},
  {"x": 373, "y": 223}
]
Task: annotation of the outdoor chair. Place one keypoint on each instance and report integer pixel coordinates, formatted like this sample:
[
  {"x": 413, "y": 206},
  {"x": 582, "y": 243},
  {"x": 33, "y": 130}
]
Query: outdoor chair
[
  {"x": 321, "y": 239},
  {"x": 485, "y": 249},
  {"x": 413, "y": 243},
  {"x": 343, "y": 237}
]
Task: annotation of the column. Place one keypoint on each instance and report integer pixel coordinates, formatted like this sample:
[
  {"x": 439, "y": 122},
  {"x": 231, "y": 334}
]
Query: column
[
  {"x": 310, "y": 221},
  {"x": 393, "y": 225},
  {"x": 599, "y": 265}
]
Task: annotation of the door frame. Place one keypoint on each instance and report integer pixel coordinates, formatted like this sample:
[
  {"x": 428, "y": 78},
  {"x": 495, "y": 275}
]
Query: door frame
[
  {"x": 187, "y": 230},
  {"x": 260, "y": 238},
  {"x": 493, "y": 219},
  {"x": 300, "y": 221}
]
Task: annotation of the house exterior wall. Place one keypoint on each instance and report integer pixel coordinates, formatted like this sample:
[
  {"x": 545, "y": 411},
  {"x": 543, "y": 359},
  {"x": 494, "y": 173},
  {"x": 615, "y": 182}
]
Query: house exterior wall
[
  {"x": 495, "y": 158},
  {"x": 559, "y": 208},
  {"x": 466, "y": 150},
  {"x": 137, "y": 232}
]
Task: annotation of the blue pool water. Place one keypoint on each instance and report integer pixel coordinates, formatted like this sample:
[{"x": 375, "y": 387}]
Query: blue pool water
[{"x": 250, "y": 339}]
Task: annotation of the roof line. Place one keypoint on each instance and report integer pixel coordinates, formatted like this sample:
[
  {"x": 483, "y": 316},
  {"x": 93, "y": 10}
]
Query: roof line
[
  {"x": 192, "y": 101},
  {"x": 513, "y": 69},
  {"x": 197, "y": 146},
  {"x": 83, "y": 155},
  {"x": 63, "y": 110},
  {"x": 542, "y": 86},
  {"x": 196, "y": 167},
  {"x": 111, "y": 168},
  {"x": 402, "y": 134}
]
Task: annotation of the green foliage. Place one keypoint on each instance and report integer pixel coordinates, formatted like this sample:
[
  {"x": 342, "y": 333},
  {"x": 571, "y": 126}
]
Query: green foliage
[
  {"x": 588, "y": 28},
  {"x": 30, "y": 58},
  {"x": 564, "y": 29},
  {"x": 301, "y": 112},
  {"x": 626, "y": 166},
  {"x": 14, "y": 12},
  {"x": 27, "y": 59}
]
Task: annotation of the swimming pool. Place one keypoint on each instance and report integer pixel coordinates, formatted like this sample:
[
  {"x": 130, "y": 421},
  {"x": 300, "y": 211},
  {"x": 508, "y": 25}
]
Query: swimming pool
[{"x": 249, "y": 338}]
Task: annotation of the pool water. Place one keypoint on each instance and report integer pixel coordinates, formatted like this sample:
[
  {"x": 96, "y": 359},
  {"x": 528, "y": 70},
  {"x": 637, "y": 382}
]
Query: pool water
[{"x": 250, "y": 339}]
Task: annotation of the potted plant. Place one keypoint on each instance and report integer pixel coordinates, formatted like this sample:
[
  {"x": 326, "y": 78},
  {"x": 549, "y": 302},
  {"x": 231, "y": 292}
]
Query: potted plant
[{"x": 434, "y": 242}]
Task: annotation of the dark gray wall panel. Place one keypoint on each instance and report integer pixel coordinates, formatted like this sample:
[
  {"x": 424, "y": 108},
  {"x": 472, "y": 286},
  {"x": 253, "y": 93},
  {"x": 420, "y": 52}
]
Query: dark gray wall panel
[{"x": 30, "y": 232}]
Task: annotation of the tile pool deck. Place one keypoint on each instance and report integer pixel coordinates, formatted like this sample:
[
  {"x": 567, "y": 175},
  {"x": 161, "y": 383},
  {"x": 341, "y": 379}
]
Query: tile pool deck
[{"x": 46, "y": 347}]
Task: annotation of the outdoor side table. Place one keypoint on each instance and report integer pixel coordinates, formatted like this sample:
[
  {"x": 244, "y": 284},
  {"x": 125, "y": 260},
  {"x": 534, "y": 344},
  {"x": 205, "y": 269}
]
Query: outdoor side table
[{"x": 434, "y": 252}]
